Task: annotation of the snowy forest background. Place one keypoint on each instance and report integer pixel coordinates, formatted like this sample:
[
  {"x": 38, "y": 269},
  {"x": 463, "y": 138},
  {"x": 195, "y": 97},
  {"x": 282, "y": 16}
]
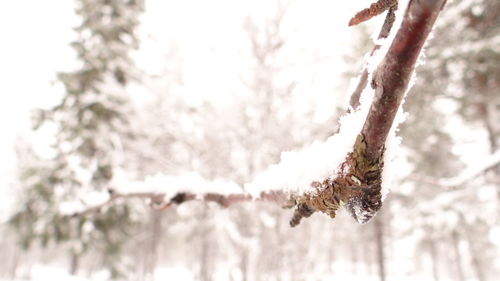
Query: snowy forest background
[{"x": 220, "y": 89}]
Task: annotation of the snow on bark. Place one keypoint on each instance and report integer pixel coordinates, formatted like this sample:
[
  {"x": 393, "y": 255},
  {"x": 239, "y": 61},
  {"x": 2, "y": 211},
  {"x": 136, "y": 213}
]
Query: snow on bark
[{"x": 298, "y": 169}]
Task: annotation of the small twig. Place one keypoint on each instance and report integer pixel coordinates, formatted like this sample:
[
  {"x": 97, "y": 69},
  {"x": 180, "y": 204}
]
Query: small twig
[
  {"x": 302, "y": 211},
  {"x": 359, "y": 182},
  {"x": 392, "y": 77},
  {"x": 363, "y": 80},
  {"x": 158, "y": 201},
  {"x": 375, "y": 9}
]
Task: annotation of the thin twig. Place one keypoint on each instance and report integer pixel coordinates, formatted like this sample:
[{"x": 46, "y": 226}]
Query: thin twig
[
  {"x": 359, "y": 182},
  {"x": 363, "y": 80},
  {"x": 375, "y": 9},
  {"x": 158, "y": 201}
]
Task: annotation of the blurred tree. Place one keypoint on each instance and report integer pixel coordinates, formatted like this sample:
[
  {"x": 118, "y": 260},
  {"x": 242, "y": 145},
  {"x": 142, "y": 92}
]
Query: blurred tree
[
  {"x": 461, "y": 71},
  {"x": 92, "y": 123}
]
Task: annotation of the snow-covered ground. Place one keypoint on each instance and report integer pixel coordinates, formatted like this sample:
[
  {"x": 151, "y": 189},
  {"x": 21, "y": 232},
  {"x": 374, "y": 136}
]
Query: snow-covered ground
[{"x": 48, "y": 273}]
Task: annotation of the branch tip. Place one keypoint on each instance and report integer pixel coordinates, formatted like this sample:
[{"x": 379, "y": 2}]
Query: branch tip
[{"x": 375, "y": 9}]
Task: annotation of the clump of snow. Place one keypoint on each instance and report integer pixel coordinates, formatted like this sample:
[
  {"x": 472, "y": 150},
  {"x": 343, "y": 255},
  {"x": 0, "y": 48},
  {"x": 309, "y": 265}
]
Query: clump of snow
[
  {"x": 298, "y": 169},
  {"x": 171, "y": 185},
  {"x": 69, "y": 208},
  {"x": 392, "y": 147}
]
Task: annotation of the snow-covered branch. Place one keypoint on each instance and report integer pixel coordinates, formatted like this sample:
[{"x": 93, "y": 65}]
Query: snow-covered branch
[
  {"x": 346, "y": 169},
  {"x": 383, "y": 34},
  {"x": 163, "y": 192}
]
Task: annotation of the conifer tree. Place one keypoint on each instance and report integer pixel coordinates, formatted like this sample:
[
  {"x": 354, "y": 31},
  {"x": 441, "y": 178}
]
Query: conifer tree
[{"x": 93, "y": 129}]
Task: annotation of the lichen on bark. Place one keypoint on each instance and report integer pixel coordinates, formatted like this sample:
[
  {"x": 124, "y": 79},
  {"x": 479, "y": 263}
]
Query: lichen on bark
[
  {"x": 366, "y": 196},
  {"x": 357, "y": 186}
]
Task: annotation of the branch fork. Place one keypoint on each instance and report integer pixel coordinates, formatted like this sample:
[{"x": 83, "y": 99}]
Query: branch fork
[{"x": 359, "y": 182}]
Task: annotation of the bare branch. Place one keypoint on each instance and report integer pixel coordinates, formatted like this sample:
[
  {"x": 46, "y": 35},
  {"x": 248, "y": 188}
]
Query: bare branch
[
  {"x": 375, "y": 9},
  {"x": 158, "y": 201}
]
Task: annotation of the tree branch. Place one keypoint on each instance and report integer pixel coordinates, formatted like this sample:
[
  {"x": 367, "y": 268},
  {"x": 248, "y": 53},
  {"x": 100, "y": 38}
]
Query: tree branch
[
  {"x": 358, "y": 181},
  {"x": 363, "y": 80},
  {"x": 375, "y": 9},
  {"x": 158, "y": 201},
  {"x": 392, "y": 76}
]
